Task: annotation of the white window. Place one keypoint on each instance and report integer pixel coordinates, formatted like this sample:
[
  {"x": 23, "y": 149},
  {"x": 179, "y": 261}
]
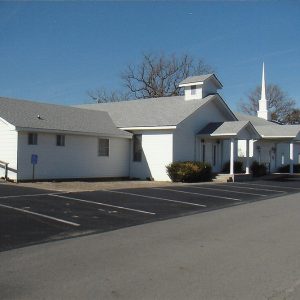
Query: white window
[
  {"x": 282, "y": 158},
  {"x": 32, "y": 138},
  {"x": 103, "y": 147},
  {"x": 137, "y": 147},
  {"x": 60, "y": 140},
  {"x": 193, "y": 89}
]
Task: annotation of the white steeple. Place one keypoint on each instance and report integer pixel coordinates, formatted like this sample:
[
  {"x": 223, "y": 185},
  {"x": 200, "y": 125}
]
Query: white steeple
[{"x": 263, "y": 102}]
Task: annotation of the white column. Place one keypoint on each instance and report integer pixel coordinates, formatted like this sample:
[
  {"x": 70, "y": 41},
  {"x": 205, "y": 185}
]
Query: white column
[
  {"x": 232, "y": 156},
  {"x": 291, "y": 157},
  {"x": 247, "y": 157}
]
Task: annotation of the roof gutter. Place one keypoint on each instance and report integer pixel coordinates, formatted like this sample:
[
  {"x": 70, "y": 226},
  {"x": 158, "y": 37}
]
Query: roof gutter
[
  {"x": 149, "y": 128},
  {"x": 104, "y": 134}
]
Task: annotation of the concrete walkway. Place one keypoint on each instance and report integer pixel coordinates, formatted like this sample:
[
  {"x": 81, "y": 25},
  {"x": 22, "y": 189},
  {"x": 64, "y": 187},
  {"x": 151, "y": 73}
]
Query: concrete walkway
[
  {"x": 243, "y": 252},
  {"x": 84, "y": 186}
]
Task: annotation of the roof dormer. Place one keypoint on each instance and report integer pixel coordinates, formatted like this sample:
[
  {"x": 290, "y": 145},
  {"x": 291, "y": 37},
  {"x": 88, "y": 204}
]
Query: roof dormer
[{"x": 198, "y": 87}]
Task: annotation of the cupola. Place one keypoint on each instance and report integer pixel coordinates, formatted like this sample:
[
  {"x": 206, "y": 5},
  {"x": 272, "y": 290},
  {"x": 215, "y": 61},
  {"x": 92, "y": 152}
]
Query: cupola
[{"x": 198, "y": 87}]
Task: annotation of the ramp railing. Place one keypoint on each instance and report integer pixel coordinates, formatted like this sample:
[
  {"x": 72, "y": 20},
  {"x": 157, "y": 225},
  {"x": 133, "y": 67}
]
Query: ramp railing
[{"x": 5, "y": 164}]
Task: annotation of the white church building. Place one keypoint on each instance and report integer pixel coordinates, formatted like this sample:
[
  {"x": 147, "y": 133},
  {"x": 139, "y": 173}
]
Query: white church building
[{"x": 138, "y": 138}]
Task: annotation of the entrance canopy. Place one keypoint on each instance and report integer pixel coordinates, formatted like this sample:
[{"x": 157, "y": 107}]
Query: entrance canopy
[
  {"x": 279, "y": 132},
  {"x": 242, "y": 130}
]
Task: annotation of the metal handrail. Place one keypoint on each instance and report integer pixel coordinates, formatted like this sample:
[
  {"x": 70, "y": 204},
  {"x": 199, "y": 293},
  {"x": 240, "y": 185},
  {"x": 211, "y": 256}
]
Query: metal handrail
[{"x": 6, "y": 168}]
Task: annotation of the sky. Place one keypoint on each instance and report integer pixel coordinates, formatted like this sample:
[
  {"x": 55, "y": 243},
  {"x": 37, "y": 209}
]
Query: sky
[{"x": 55, "y": 52}]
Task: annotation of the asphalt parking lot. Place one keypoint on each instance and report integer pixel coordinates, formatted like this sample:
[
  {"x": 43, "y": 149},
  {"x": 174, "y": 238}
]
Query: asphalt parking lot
[{"x": 29, "y": 216}]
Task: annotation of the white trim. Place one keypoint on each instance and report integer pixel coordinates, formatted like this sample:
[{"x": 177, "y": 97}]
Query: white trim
[
  {"x": 149, "y": 128},
  {"x": 191, "y": 83},
  {"x": 278, "y": 136},
  {"x": 45, "y": 130},
  {"x": 13, "y": 127},
  {"x": 227, "y": 134}
]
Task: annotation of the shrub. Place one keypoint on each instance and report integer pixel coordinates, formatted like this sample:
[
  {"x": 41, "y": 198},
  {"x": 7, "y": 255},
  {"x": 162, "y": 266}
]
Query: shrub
[
  {"x": 286, "y": 169},
  {"x": 258, "y": 169},
  {"x": 189, "y": 171},
  {"x": 238, "y": 167}
]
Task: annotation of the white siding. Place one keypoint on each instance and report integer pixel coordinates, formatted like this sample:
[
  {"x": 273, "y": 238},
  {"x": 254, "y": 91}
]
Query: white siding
[
  {"x": 8, "y": 149},
  {"x": 209, "y": 88},
  {"x": 201, "y": 91},
  {"x": 77, "y": 159},
  {"x": 157, "y": 153},
  {"x": 185, "y": 147}
]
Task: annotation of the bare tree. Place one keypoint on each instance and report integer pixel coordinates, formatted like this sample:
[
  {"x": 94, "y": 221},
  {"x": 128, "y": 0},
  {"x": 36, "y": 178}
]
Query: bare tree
[
  {"x": 102, "y": 95},
  {"x": 279, "y": 104},
  {"x": 155, "y": 76},
  {"x": 293, "y": 117},
  {"x": 159, "y": 75}
]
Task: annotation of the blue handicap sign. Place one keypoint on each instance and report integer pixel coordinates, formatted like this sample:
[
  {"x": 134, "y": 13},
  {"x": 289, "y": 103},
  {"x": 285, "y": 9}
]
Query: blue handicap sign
[{"x": 34, "y": 159}]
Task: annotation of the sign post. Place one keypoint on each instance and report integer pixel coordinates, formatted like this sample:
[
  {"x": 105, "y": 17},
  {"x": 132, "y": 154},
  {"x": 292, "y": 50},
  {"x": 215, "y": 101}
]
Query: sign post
[{"x": 34, "y": 160}]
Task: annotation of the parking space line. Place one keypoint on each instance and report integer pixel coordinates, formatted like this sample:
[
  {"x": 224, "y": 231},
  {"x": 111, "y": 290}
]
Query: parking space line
[
  {"x": 254, "y": 188},
  {"x": 20, "y": 196},
  {"x": 40, "y": 215},
  {"x": 213, "y": 196},
  {"x": 267, "y": 185},
  {"x": 231, "y": 191},
  {"x": 104, "y": 204},
  {"x": 158, "y": 198}
]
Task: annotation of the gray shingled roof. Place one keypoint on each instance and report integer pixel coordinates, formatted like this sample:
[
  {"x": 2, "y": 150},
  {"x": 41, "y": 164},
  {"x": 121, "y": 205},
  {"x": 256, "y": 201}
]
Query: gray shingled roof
[
  {"x": 276, "y": 130},
  {"x": 268, "y": 129},
  {"x": 223, "y": 128},
  {"x": 199, "y": 78},
  {"x": 24, "y": 114},
  {"x": 166, "y": 111},
  {"x": 253, "y": 119}
]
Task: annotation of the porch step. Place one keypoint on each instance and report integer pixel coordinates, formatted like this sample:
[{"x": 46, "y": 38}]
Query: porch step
[
  {"x": 232, "y": 178},
  {"x": 223, "y": 178}
]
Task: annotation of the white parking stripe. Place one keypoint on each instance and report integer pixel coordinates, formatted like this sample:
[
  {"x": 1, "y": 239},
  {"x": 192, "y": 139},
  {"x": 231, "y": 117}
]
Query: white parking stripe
[
  {"x": 20, "y": 196},
  {"x": 39, "y": 215},
  {"x": 225, "y": 190},
  {"x": 213, "y": 196},
  {"x": 158, "y": 198},
  {"x": 254, "y": 188},
  {"x": 104, "y": 204},
  {"x": 268, "y": 185}
]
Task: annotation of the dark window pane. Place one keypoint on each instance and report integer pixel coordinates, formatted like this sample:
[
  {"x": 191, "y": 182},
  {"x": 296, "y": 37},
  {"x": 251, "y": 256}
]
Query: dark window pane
[
  {"x": 103, "y": 147},
  {"x": 137, "y": 147}
]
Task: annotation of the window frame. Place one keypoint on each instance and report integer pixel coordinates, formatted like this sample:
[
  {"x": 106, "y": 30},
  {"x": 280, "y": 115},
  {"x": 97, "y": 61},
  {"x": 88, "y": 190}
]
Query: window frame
[
  {"x": 32, "y": 138},
  {"x": 60, "y": 140},
  {"x": 137, "y": 149},
  {"x": 103, "y": 149},
  {"x": 193, "y": 90}
]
